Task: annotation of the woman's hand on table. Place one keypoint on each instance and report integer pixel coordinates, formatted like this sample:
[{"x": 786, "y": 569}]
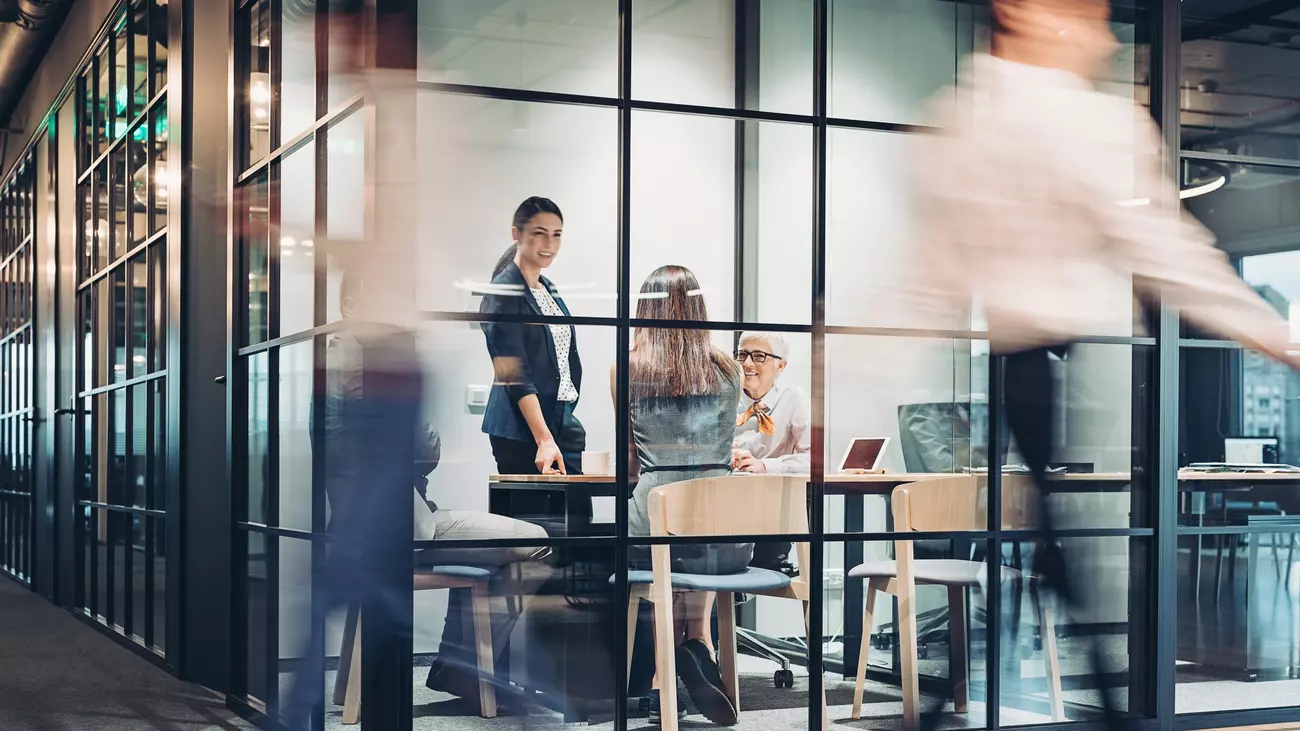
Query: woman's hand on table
[{"x": 550, "y": 461}]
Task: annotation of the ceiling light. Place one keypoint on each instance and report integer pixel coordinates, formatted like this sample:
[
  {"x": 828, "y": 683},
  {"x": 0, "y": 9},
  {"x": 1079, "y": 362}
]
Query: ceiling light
[{"x": 1203, "y": 188}]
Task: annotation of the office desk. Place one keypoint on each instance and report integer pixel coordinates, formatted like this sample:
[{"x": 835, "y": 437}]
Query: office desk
[{"x": 574, "y": 493}]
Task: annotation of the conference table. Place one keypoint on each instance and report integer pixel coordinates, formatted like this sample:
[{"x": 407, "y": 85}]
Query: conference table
[{"x": 572, "y": 497}]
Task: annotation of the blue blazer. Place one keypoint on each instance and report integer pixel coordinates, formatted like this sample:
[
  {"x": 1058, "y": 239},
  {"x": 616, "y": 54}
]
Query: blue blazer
[{"x": 523, "y": 358}]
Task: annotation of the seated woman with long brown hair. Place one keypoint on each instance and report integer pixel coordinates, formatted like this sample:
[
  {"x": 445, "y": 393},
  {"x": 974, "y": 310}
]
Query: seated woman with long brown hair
[{"x": 683, "y": 393}]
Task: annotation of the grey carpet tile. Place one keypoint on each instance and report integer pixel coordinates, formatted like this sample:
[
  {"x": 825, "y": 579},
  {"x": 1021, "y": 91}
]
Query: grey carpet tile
[{"x": 65, "y": 676}]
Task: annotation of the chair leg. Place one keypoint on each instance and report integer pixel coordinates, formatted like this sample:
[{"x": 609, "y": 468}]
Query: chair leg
[
  {"x": 665, "y": 654},
  {"x": 859, "y": 683},
  {"x": 908, "y": 656},
  {"x": 633, "y": 612},
  {"x": 481, "y": 608},
  {"x": 958, "y": 661},
  {"x": 727, "y": 647},
  {"x": 807, "y": 626},
  {"x": 345, "y": 655},
  {"x": 1051, "y": 659},
  {"x": 352, "y": 696}
]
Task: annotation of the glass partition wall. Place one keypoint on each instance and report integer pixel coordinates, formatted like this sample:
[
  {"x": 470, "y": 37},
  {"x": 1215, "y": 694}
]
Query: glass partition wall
[
  {"x": 124, "y": 183},
  {"x": 17, "y": 352},
  {"x": 761, "y": 146}
]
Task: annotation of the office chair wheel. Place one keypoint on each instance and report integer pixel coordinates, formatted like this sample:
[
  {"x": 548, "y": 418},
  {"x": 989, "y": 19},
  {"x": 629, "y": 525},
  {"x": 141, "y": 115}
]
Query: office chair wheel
[{"x": 783, "y": 679}]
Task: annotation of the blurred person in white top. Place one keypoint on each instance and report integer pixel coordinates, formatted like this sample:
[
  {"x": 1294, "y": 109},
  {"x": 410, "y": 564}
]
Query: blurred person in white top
[
  {"x": 772, "y": 419},
  {"x": 1042, "y": 198}
]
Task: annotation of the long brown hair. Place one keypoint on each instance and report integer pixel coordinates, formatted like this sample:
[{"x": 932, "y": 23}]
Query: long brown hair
[{"x": 675, "y": 361}]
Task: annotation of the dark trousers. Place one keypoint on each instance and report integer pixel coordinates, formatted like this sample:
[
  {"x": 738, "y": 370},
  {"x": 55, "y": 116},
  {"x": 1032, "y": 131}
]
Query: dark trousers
[
  {"x": 1029, "y": 395},
  {"x": 515, "y": 457}
]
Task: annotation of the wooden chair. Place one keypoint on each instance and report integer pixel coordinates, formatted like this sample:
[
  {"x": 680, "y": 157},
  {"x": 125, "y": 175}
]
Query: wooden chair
[
  {"x": 721, "y": 506},
  {"x": 347, "y": 682},
  {"x": 947, "y": 504}
]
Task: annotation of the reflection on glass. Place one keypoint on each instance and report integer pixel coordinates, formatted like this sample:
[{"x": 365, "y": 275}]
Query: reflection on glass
[
  {"x": 103, "y": 100},
  {"x": 1231, "y": 101},
  {"x": 160, "y": 174},
  {"x": 117, "y": 344},
  {"x": 723, "y": 54},
  {"x": 103, "y": 246},
  {"x": 1043, "y": 637},
  {"x": 121, "y": 99},
  {"x": 563, "y": 153},
  {"x": 158, "y": 451},
  {"x": 295, "y": 457},
  {"x": 1238, "y": 641},
  {"x": 888, "y": 59},
  {"x": 257, "y": 622},
  {"x": 138, "y": 477},
  {"x": 666, "y": 150},
  {"x": 257, "y": 258},
  {"x": 138, "y": 17},
  {"x": 258, "y": 436},
  {"x": 159, "y": 598},
  {"x": 297, "y": 97},
  {"x": 159, "y": 34},
  {"x": 539, "y": 45},
  {"x": 138, "y": 298},
  {"x": 297, "y": 247},
  {"x": 293, "y": 604},
  {"x": 86, "y": 88},
  {"x": 137, "y": 199},
  {"x": 121, "y": 193},
  {"x": 345, "y": 217},
  {"x": 157, "y": 355},
  {"x": 258, "y": 83}
]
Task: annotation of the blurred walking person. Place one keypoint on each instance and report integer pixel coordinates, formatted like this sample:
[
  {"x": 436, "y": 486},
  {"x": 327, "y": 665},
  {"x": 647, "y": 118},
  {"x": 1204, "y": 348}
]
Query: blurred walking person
[{"x": 1042, "y": 198}]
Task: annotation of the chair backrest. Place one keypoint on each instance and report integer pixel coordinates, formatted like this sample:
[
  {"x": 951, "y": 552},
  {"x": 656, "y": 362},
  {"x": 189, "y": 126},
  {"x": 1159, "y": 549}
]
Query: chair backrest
[
  {"x": 960, "y": 502},
  {"x": 732, "y": 505}
]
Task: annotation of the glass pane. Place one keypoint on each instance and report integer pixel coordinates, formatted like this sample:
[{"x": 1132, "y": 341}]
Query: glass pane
[
  {"x": 158, "y": 295},
  {"x": 1103, "y": 401},
  {"x": 138, "y": 184},
  {"x": 889, "y": 58},
  {"x": 539, "y": 45},
  {"x": 138, "y": 299},
  {"x": 118, "y": 344},
  {"x": 159, "y": 451},
  {"x": 121, "y": 192},
  {"x": 297, "y": 248},
  {"x": 295, "y": 411},
  {"x": 86, "y": 225},
  {"x": 139, "y": 20},
  {"x": 256, "y": 618},
  {"x": 952, "y": 633},
  {"x": 345, "y": 214},
  {"x": 158, "y": 32},
  {"x": 137, "y": 468},
  {"x": 1250, "y": 210},
  {"x": 118, "y": 486},
  {"x": 1109, "y": 621},
  {"x": 259, "y": 81},
  {"x": 720, "y": 53},
  {"x": 159, "y": 599},
  {"x": 104, "y": 94},
  {"x": 1237, "y": 637},
  {"x": 510, "y": 151},
  {"x": 294, "y": 606},
  {"x": 257, "y": 257},
  {"x": 121, "y": 100},
  {"x": 1232, "y": 100},
  {"x": 258, "y": 437},
  {"x": 89, "y": 148},
  {"x": 103, "y": 245},
  {"x": 160, "y": 174},
  {"x": 298, "y": 68}
]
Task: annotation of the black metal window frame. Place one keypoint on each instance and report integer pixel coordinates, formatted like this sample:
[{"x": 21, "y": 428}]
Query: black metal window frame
[
  {"x": 126, "y": 170},
  {"x": 1155, "y": 417},
  {"x": 18, "y": 369}
]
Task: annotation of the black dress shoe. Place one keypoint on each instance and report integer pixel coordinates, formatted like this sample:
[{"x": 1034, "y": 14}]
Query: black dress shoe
[{"x": 699, "y": 672}]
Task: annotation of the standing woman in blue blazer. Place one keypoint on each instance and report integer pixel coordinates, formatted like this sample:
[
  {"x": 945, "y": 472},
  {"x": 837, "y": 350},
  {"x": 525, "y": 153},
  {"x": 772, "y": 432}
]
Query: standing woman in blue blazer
[{"x": 529, "y": 417}]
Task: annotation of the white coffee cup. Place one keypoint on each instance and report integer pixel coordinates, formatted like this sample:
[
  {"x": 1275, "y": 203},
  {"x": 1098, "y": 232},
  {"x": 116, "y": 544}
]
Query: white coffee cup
[{"x": 595, "y": 463}]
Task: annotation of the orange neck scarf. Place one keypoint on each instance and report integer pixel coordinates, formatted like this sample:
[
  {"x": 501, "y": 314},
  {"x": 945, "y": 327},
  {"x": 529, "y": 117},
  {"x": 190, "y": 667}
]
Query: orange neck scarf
[{"x": 758, "y": 410}]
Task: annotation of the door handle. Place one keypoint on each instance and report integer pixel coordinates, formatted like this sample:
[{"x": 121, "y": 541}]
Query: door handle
[{"x": 64, "y": 412}]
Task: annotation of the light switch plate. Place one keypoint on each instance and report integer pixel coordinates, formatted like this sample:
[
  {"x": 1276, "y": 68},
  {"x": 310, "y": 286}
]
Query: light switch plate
[{"x": 476, "y": 396}]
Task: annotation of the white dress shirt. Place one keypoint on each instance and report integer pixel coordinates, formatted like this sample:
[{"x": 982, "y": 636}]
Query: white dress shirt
[
  {"x": 787, "y": 450},
  {"x": 1045, "y": 200}
]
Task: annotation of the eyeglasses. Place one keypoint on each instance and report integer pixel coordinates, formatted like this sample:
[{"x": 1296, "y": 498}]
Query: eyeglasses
[{"x": 758, "y": 356}]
